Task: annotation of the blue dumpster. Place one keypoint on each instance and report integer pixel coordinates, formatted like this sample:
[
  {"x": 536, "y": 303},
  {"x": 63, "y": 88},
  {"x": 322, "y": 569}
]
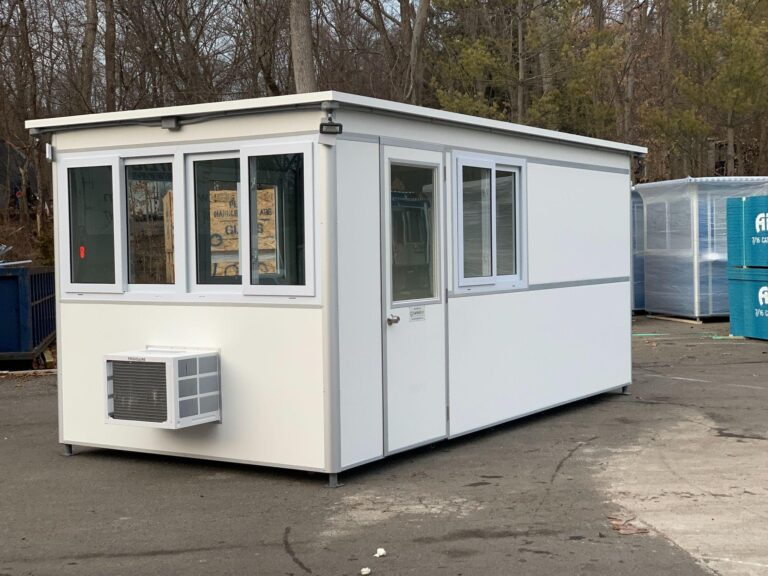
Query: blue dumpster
[{"x": 27, "y": 311}]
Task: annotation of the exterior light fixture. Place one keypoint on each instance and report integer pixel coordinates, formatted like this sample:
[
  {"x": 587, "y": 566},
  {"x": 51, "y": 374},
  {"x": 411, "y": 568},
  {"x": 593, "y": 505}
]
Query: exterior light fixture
[{"x": 330, "y": 127}]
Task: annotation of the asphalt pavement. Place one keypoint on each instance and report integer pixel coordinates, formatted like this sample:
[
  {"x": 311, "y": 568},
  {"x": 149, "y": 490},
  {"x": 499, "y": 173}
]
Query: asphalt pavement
[{"x": 670, "y": 479}]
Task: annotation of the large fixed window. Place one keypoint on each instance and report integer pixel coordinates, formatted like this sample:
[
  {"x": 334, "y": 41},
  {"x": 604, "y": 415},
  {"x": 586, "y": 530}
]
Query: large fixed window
[
  {"x": 92, "y": 227},
  {"x": 149, "y": 199},
  {"x": 278, "y": 242},
  {"x": 221, "y": 220},
  {"x": 276, "y": 218},
  {"x": 489, "y": 236},
  {"x": 217, "y": 198}
]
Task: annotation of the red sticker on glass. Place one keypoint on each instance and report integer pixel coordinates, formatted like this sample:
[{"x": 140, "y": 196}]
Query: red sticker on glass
[{"x": 82, "y": 252}]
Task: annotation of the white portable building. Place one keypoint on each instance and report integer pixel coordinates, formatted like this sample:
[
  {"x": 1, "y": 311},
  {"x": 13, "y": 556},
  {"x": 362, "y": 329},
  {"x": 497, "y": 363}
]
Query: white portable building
[{"x": 318, "y": 281}]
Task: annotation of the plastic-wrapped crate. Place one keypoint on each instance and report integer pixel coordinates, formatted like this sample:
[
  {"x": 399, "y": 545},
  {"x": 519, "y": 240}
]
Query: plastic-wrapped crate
[
  {"x": 686, "y": 243},
  {"x": 638, "y": 253}
]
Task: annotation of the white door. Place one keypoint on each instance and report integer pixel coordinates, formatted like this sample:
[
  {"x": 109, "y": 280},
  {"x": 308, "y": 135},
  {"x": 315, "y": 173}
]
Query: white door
[{"x": 414, "y": 309}]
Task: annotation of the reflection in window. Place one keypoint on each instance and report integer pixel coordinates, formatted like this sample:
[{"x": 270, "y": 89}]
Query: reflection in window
[
  {"x": 216, "y": 219},
  {"x": 413, "y": 199},
  {"x": 91, "y": 224},
  {"x": 276, "y": 216},
  {"x": 149, "y": 191},
  {"x": 477, "y": 228},
  {"x": 506, "y": 250}
]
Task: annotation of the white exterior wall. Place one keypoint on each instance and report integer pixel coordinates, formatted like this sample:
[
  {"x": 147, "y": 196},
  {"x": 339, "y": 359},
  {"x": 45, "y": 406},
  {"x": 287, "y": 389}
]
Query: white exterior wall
[
  {"x": 271, "y": 379},
  {"x": 578, "y": 224},
  {"x": 517, "y": 353},
  {"x": 274, "y": 372},
  {"x": 360, "y": 316},
  {"x": 568, "y": 335}
]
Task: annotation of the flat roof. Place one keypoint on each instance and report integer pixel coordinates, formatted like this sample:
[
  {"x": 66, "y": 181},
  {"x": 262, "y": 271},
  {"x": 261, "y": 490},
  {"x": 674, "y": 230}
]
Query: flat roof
[{"x": 316, "y": 98}]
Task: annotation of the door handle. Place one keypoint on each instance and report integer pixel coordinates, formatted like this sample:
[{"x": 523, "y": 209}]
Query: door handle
[{"x": 392, "y": 319}]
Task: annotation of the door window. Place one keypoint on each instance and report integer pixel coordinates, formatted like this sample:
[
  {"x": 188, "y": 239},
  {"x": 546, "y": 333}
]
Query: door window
[{"x": 413, "y": 225}]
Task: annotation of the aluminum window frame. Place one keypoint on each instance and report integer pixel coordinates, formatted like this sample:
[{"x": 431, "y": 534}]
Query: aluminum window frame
[
  {"x": 186, "y": 289},
  {"x": 68, "y": 285},
  {"x": 193, "y": 285},
  {"x": 178, "y": 285},
  {"x": 494, "y": 282},
  {"x": 392, "y": 159},
  {"x": 246, "y": 153}
]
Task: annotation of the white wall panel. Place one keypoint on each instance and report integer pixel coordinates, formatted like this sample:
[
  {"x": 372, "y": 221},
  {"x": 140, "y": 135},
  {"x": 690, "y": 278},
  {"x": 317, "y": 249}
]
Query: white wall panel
[
  {"x": 271, "y": 379},
  {"x": 359, "y": 285},
  {"x": 578, "y": 224},
  {"x": 516, "y": 353}
]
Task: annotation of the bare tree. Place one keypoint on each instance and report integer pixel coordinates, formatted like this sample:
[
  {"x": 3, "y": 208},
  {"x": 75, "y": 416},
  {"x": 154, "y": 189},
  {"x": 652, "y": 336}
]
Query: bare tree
[
  {"x": 301, "y": 47},
  {"x": 89, "y": 47},
  {"x": 413, "y": 91}
]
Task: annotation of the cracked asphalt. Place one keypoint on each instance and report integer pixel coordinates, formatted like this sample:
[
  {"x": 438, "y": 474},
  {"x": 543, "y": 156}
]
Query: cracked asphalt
[{"x": 679, "y": 465}]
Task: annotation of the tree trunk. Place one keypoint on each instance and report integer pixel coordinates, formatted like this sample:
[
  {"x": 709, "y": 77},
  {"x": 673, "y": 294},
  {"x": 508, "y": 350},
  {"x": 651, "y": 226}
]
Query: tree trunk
[
  {"x": 520, "y": 61},
  {"x": 301, "y": 47},
  {"x": 413, "y": 94},
  {"x": 629, "y": 81},
  {"x": 730, "y": 150},
  {"x": 110, "y": 57},
  {"x": 86, "y": 61}
]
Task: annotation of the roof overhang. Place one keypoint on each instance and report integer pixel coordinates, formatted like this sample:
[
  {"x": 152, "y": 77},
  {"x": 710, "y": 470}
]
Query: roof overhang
[{"x": 314, "y": 100}]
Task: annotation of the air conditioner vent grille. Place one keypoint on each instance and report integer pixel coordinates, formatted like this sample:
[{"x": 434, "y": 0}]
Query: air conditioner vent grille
[{"x": 139, "y": 391}]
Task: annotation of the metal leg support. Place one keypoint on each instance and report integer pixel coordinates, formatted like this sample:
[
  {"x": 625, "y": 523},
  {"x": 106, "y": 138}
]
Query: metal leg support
[
  {"x": 68, "y": 451},
  {"x": 333, "y": 481},
  {"x": 623, "y": 391}
]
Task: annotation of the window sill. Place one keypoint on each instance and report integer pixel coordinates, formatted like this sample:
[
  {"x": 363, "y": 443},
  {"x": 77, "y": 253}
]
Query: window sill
[{"x": 235, "y": 299}]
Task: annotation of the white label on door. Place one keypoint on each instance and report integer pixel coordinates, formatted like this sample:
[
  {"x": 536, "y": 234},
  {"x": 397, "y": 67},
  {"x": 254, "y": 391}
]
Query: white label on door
[{"x": 416, "y": 313}]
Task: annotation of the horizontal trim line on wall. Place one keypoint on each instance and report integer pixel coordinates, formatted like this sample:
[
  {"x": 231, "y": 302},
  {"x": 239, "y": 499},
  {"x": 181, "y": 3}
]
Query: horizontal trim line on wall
[
  {"x": 488, "y": 291},
  {"x": 577, "y": 165}
]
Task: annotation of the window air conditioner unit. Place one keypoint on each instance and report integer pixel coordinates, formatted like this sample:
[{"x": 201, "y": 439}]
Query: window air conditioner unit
[{"x": 163, "y": 387}]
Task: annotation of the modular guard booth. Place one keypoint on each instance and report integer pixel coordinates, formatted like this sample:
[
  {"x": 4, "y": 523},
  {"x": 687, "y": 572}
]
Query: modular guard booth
[{"x": 318, "y": 281}]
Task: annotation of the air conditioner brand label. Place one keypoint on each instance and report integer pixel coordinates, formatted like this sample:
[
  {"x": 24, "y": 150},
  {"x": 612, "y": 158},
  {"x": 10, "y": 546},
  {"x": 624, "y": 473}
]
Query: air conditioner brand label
[{"x": 136, "y": 359}]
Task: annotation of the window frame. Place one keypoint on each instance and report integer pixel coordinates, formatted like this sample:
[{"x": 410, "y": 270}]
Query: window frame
[
  {"x": 65, "y": 229},
  {"x": 247, "y": 152},
  {"x": 193, "y": 285},
  {"x": 178, "y": 204},
  {"x": 186, "y": 288},
  {"x": 437, "y": 243},
  {"x": 494, "y": 282}
]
